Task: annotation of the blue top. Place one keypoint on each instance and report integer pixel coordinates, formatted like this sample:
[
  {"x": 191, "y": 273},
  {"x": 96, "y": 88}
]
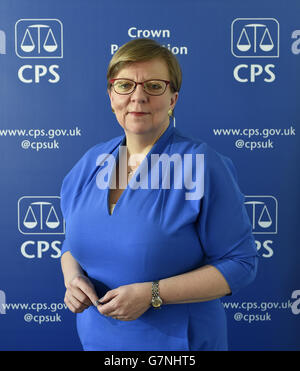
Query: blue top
[{"x": 154, "y": 234}]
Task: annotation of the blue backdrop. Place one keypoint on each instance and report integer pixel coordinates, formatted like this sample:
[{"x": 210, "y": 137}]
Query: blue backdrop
[{"x": 240, "y": 93}]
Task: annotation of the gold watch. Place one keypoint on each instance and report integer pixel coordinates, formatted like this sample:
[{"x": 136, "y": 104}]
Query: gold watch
[{"x": 156, "y": 299}]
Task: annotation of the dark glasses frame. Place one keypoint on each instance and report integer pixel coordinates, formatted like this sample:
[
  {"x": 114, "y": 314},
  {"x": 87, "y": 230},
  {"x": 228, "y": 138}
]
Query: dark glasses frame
[{"x": 111, "y": 81}]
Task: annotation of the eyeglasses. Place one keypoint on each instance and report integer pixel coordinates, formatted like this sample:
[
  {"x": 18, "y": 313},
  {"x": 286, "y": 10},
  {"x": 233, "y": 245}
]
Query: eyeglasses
[{"x": 151, "y": 87}]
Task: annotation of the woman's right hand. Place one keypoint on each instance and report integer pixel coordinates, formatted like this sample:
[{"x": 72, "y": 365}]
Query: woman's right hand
[{"x": 80, "y": 294}]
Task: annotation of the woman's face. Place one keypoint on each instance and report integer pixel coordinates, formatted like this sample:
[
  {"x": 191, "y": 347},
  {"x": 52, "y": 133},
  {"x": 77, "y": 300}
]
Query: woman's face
[{"x": 139, "y": 112}]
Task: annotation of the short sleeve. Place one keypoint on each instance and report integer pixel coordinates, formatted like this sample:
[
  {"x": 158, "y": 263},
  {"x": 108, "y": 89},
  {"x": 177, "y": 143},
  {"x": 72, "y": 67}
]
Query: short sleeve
[
  {"x": 64, "y": 196},
  {"x": 65, "y": 247},
  {"x": 74, "y": 181},
  {"x": 223, "y": 224}
]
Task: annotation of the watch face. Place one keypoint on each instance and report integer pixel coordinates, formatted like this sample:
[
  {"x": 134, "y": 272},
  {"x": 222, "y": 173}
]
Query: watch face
[{"x": 157, "y": 302}]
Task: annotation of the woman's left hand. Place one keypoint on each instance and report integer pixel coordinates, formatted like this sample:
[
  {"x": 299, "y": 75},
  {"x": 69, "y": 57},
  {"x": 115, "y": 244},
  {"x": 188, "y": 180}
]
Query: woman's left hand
[{"x": 127, "y": 302}]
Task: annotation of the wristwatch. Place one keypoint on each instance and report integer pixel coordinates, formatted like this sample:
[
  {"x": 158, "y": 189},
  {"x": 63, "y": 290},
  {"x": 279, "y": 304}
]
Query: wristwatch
[{"x": 156, "y": 299}]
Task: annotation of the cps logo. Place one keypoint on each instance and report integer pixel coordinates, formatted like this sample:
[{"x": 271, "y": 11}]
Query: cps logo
[
  {"x": 254, "y": 38},
  {"x": 263, "y": 214},
  {"x": 39, "y": 39},
  {"x": 40, "y": 215}
]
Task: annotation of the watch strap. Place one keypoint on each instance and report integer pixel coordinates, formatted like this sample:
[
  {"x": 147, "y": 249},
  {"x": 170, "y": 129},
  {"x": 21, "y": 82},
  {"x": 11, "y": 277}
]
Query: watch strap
[
  {"x": 155, "y": 289},
  {"x": 155, "y": 293}
]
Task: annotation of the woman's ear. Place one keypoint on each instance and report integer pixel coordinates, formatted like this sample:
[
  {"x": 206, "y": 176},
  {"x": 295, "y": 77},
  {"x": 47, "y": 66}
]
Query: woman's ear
[{"x": 174, "y": 99}]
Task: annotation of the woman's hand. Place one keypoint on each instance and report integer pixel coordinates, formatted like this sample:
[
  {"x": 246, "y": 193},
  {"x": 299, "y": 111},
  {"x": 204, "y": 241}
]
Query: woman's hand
[
  {"x": 127, "y": 302},
  {"x": 80, "y": 294}
]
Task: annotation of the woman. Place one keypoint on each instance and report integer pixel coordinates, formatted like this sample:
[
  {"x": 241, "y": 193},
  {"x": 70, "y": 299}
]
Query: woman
[{"x": 128, "y": 250}]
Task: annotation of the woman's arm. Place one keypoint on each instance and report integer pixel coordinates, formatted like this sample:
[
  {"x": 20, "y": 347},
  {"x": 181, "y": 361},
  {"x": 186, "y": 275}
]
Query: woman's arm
[
  {"x": 202, "y": 284},
  {"x": 70, "y": 267},
  {"x": 128, "y": 302},
  {"x": 80, "y": 292}
]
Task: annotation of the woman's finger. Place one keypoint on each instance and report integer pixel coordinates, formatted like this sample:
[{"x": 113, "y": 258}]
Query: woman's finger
[
  {"x": 75, "y": 303},
  {"x": 79, "y": 295},
  {"x": 73, "y": 307},
  {"x": 88, "y": 289}
]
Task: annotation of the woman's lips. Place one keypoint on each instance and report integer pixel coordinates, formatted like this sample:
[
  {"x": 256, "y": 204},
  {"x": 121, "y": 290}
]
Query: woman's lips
[{"x": 139, "y": 113}]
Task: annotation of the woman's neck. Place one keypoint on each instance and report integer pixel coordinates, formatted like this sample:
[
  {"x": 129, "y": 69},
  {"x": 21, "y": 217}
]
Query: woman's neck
[{"x": 138, "y": 144}]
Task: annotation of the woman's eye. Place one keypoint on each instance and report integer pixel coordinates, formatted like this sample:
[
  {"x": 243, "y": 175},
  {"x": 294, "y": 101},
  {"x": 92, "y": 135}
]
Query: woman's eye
[
  {"x": 154, "y": 86},
  {"x": 124, "y": 85}
]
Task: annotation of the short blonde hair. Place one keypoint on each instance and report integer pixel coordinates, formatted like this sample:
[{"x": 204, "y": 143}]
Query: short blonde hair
[{"x": 141, "y": 50}]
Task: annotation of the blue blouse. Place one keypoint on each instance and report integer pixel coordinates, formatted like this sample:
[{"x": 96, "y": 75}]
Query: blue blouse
[{"x": 155, "y": 233}]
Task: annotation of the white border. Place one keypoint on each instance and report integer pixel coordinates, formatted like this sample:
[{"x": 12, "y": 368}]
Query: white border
[
  {"x": 276, "y": 212},
  {"x": 40, "y": 19},
  {"x": 19, "y": 227},
  {"x": 255, "y": 56}
]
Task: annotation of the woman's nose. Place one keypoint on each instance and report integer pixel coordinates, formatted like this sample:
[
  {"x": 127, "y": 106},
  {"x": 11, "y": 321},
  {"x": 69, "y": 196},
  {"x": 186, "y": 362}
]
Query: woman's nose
[{"x": 139, "y": 95}]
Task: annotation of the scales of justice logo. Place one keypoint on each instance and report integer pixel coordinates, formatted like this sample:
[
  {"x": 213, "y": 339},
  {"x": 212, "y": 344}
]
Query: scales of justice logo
[
  {"x": 255, "y": 37},
  {"x": 39, "y": 38},
  {"x": 40, "y": 215},
  {"x": 263, "y": 214}
]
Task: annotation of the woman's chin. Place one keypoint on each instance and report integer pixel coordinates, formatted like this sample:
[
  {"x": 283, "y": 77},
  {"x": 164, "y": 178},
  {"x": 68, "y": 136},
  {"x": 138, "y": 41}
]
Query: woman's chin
[{"x": 138, "y": 128}]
